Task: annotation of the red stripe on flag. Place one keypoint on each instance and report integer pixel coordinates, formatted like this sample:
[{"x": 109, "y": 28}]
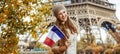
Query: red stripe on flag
[{"x": 49, "y": 42}]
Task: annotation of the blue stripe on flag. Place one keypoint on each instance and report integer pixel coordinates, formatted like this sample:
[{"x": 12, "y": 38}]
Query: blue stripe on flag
[{"x": 57, "y": 31}]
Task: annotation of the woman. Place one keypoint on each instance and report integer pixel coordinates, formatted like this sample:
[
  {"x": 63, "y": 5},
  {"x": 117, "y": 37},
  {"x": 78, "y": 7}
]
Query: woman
[{"x": 66, "y": 45}]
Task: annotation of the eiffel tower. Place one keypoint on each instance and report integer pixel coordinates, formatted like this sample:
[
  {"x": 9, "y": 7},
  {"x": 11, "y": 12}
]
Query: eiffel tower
[{"x": 92, "y": 15}]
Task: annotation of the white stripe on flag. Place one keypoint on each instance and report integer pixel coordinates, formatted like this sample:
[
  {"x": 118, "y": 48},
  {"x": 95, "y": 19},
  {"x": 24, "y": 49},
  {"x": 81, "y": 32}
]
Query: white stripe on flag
[{"x": 52, "y": 35}]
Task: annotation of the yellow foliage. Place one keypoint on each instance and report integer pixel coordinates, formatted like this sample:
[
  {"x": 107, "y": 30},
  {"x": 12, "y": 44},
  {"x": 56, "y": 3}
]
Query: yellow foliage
[{"x": 12, "y": 14}]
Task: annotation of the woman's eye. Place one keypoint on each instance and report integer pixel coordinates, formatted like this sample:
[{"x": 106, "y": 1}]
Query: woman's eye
[{"x": 64, "y": 12}]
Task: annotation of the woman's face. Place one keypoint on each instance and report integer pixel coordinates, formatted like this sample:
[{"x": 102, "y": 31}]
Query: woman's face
[{"x": 62, "y": 15}]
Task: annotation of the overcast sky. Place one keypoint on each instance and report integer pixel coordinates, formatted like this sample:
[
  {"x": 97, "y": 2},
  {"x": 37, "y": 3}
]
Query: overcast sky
[{"x": 117, "y": 2}]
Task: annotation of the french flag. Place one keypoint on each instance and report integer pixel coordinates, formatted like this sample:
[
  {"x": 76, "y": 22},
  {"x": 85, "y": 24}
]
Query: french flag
[{"x": 53, "y": 36}]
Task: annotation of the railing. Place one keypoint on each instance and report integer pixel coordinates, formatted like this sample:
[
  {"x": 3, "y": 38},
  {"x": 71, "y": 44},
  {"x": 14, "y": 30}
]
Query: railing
[{"x": 103, "y": 3}]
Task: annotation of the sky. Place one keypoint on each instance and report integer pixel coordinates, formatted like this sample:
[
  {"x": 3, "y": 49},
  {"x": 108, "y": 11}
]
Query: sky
[{"x": 117, "y": 3}]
